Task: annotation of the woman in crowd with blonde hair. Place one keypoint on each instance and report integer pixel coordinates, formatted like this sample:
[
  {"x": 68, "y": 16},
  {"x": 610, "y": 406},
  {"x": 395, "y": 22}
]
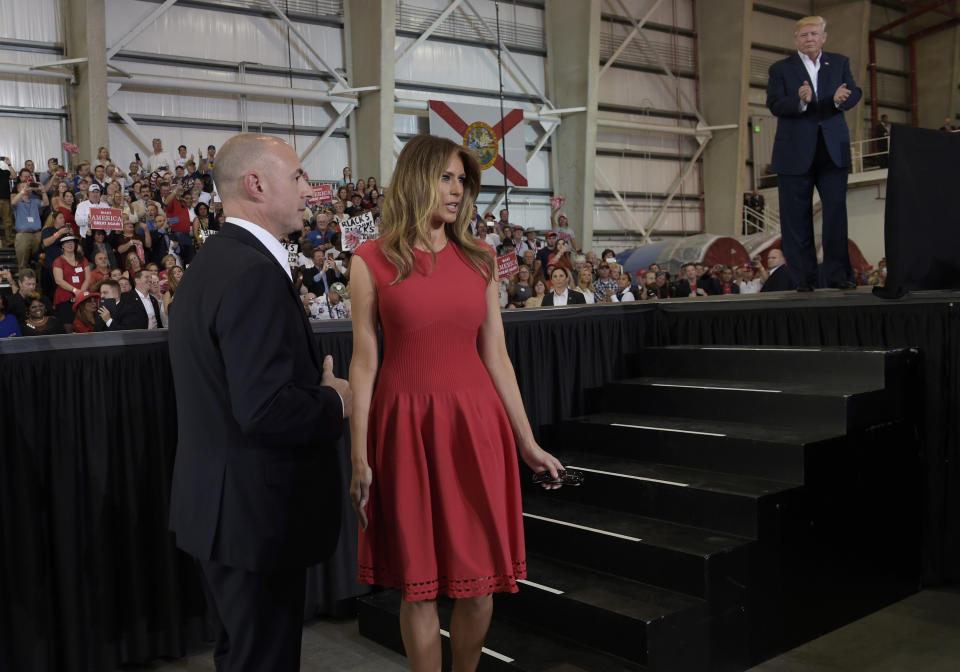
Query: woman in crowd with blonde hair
[
  {"x": 103, "y": 157},
  {"x": 444, "y": 397},
  {"x": 585, "y": 284}
]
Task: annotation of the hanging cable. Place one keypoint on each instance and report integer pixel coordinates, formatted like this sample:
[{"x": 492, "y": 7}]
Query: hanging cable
[
  {"x": 503, "y": 141},
  {"x": 293, "y": 114}
]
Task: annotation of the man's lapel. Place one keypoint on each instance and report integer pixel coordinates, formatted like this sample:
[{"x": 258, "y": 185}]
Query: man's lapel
[
  {"x": 823, "y": 79},
  {"x": 239, "y": 233},
  {"x": 800, "y": 69}
]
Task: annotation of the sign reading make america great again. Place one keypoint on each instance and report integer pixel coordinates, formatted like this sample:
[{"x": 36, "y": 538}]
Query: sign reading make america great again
[{"x": 106, "y": 219}]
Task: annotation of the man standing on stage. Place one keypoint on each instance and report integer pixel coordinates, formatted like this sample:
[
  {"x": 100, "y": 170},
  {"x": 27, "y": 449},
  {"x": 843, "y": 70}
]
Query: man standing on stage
[
  {"x": 256, "y": 487},
  {"x": 809, "y": 92}
]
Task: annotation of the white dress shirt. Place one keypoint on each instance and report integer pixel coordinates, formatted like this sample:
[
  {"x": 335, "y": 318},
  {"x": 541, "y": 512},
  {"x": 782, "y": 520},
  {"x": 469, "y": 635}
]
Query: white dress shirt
[
  {"x": 813, "y": 69},
  {"x": 274, "y": 246},
  {"x": 561, "y": 299},
  {"x": 148, "y": 306},
  {"x": 157, "y": 161}
]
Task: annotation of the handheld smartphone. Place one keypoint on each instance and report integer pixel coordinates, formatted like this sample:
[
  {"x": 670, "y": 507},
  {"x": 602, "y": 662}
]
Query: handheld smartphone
[
  {"x": 109, "y": 304},
  {"x": 136, "y": 155}
]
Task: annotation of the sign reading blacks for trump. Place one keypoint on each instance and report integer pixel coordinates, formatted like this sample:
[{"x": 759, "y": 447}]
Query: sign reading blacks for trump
[
  {"x": 106, "y": 219},
  {"x": 358, "y": 229},
  {"x": 507, "y": 265}
]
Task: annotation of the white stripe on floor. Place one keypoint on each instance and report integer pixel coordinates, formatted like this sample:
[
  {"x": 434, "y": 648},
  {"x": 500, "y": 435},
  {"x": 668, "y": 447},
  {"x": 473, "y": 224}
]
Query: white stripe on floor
[
  {"x": 540, "y": 586},
  {"x": 499, "y": 656},
  {"x": 765, "y": 349},
  {"x": 666, "y": 429},
  {"x": 582, "y": 527},
  {"x": 637, "y": 478},
  {"x": 714, "y": 387}
]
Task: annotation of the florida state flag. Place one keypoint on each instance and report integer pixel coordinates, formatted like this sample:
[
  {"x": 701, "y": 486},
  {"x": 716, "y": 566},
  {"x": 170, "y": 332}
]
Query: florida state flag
[{"x": 497, "y": 143}]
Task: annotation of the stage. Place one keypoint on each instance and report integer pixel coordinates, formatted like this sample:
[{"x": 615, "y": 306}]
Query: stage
[{"x": 90, "y": 576}]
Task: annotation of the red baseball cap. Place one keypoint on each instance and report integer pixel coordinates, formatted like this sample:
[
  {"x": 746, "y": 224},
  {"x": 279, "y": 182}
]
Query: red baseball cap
[{"x": 83, "y": 296}]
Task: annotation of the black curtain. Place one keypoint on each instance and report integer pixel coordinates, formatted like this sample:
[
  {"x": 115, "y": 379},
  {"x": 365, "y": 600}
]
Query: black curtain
[
  {"x": 922, "y": 217},
  {"x": 90, "y": 577}
]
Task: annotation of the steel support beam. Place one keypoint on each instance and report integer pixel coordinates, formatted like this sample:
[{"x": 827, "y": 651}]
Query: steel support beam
[
  {"x": 145, "y": 144},
  {"x": 29, "y": 71},
  {"x": 506, "y": 53},
  {"x": 131, "y": 34},
  {"x": 421, "y": 107},
  {"x": 666, "y": 70},
  {"x": 629, "y": 38},
  {"x": 319, "y": 140},
  {"x": 145, "y": 81},
  {"x": 306, "y": 43},
  {"x": 619, "y": 199},
  {"x": 429, "y": 31},
  {"x": 674, "y": 188}
]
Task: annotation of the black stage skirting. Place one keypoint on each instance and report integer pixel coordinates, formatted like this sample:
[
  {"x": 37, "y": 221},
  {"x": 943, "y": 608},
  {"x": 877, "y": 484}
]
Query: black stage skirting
[{"x": 89, "y": 575}]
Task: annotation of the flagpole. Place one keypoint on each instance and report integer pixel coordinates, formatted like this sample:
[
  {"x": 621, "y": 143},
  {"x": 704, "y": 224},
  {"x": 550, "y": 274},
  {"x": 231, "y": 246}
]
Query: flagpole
[{"x": 503, "y": 134}]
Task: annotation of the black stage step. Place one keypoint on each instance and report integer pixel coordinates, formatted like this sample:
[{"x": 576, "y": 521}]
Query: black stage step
[
  {"x": 871, "y": 368},
  {"x": 699, "y": 562},
  {"x": 642, "y": 623},
  {"x": 734, "y": 504},
  {"x": 833, "y": 406},
  {"x": 751, "y": 449},
  {"x": 509, "y": 647}
]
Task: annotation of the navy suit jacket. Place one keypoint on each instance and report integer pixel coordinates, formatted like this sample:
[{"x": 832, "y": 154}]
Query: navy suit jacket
[
  {"x": 256, "y": 480},
  {"x": 779, "y": 281},
  {"x": 796, "y": 141}
]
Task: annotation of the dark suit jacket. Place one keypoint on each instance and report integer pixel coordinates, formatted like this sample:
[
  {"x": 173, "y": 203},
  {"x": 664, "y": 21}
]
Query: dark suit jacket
[
  {"x": 705, "y": 282},
  {"x": 316, "y": 286},
  {"x": 574, "y": 298},
  {"x": 256, "y": 481},
  {"x": 131, "y": 314},
  {"x": 796, "y": 141},
  {"x": 779, "y": 281}
]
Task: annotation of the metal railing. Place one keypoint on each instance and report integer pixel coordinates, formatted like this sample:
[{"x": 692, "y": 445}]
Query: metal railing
[
  {"x": 865, "y": 156},
  {"x": 869, "y": 154},
  {"x": 755, "y": 221}
]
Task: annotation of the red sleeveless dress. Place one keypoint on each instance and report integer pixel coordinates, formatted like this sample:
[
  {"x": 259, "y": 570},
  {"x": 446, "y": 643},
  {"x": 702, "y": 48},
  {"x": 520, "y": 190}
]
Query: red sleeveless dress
[{"x": 444, "y": 509}]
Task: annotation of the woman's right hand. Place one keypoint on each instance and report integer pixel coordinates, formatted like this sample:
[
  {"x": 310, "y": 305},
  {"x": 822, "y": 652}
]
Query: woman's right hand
[{"x": 360, "y": 491}]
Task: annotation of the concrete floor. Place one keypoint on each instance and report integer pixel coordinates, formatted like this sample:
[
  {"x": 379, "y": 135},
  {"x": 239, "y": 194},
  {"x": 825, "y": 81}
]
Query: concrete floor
[{"x": 918, "y": 634}]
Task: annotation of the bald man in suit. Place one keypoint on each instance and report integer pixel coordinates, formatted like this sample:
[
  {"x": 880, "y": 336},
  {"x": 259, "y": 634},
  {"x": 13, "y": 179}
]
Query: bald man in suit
[{"x": 256, "y": 493}]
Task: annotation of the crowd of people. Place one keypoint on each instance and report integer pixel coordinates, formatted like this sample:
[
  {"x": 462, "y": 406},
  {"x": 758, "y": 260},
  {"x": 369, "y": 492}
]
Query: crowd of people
[{"x": 72, "y": 277}]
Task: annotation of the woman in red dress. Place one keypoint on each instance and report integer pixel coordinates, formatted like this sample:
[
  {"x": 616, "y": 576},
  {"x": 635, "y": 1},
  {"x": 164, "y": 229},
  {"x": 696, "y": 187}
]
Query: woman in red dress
[
  {"x": 71, "y": 273},
  {"x": 435, "y": 432}
]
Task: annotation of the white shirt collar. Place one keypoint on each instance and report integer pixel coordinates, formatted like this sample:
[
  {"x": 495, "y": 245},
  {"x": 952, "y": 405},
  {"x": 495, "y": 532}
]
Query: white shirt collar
[
  {"x": 813, "y": 69},
  {"x": 274, "y": 246}
]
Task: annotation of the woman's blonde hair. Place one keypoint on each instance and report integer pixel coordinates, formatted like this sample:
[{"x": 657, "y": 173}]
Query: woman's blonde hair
[{"x": 414, "y": 196}]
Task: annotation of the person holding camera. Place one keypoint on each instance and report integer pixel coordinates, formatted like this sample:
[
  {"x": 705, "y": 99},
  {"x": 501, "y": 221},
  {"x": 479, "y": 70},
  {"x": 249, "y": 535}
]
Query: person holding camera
[
  {"x": 26, "y": 204},
  {"x": 318, "y": 280},
  {"x": 6, "y": 214},
  {"x": 177, "y": 210}
]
